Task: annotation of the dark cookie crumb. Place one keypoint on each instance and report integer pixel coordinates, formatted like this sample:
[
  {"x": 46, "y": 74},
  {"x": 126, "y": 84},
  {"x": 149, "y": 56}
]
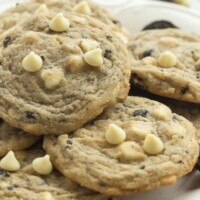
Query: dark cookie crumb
[
  {"x": 6, "y": 41},
  {"x": 109, "y": 37},
  {"x": 146, "y": 53},
  {"x": 184, "y": 90},
  {"x": 70, "y": 142},
  {"x": 142, "y": 167},
  {"x": 4, "y": 173},
  {"x": 43, "y": 58},
  {"x": 115, "y": 21},
  {"x": 30, "y": 115},
  {"x": 160, "y": 24},
  {"x": 108, "y": 54},
  {"x": 141, "y": 112},
  {"x": 10, "y": 188}
]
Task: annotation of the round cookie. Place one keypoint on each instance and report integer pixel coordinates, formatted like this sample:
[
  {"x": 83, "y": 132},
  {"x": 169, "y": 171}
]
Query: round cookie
[
  {"x": 65, "y": 92},
  {"x": 14, "y": 139},
  {"x": 27, "y": 184},
  {"x": 25, "y": 10},
  {"x": 87, "y": 158},
  {"x": 173, "y": 75}
]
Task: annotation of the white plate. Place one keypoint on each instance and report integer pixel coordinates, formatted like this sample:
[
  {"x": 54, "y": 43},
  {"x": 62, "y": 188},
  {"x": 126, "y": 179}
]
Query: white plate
[{"x": 134, "y": 15}]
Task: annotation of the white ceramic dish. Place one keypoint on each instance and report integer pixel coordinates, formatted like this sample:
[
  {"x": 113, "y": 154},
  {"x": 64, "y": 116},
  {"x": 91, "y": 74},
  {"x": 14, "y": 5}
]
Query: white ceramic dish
[{"x": 134, "y": 15}]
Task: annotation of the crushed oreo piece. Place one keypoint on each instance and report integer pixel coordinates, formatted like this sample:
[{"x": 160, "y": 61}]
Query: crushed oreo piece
[
  {"x": 43, "y": 58},
  {"x": 142, "y": 167},
  {"x": 10, "y": 188},
  {"x": 142, "y": 112},
  {"x": 109, "y": 37},
  {"x": 160, "y": 24},
  {"x": 4, "y": 173},
  {"x": 30, "y": 115},
  {"x": 146, "y": 53},
  {"x": 184, "y": 90},
  {"x": 69, "y": 142},
  {"x": 108, "y": 54},
  {"x": 115, "y": 21},
  {"x": 6, "y": 41}
]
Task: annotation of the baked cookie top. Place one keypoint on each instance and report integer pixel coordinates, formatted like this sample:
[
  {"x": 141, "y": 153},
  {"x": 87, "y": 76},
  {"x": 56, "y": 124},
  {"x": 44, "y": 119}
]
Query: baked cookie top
[
  {"x": 52, "y": 82},
  {"x": 22, "y": 11},
  {"x": 27, "y": 184},
  {"x": 133, "y": 147},
  {"x": 167, "y": 63},
  {"x": 14, "y": 139}
]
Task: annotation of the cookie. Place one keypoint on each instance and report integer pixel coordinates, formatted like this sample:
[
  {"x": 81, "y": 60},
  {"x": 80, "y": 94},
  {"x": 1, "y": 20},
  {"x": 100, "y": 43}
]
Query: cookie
[
  {"x": 167, "y": 63},
  {"x": 190, "y": 113},
  {"x": 25, "y": 10},
  {"x": 60, "y": 80},
  {"x": 14, "y": 139},
  {"x": 133, "y": 147},
  {"x": 26, "y": 184}
]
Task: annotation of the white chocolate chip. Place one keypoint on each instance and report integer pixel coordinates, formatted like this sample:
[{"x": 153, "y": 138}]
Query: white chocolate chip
[
  {"x": 52, "y": 77},
  {"x": 140, "y": 129},
  {"x": 130, "y": 151},
  {"x": 32, "y": 62},
  {"x": 59, "y": 23},
  {"x": 168, "y": 41},
  {"x": 88, "y": 45},
  {"x": 152, "y": 144},
  {"x": 183, "y": 2},
  {"x": 42, "y": 165},
  {"x": 83, "y": 8},
  {"x": 75, "y": 63},
  {"x": 162, "y": 112},
  {"x": 9, "y": 162},
  {"x": 94, "y": 57},
  {"x": 46, "y": 196},
  {"x": 167, "y": 59},
  {"x": 42, "y": 9},
  {"x": 150, "y": 61},
  {"x": 115, "y": 135}
]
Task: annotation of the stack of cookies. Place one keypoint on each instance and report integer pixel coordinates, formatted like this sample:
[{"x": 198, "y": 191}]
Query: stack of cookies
[{"x": 69, "y": 130}]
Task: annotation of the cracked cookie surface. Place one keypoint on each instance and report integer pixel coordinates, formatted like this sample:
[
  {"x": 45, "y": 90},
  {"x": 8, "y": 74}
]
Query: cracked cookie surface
[
  {"x": 64, "y": 92},
  {"x": 86, "y": 156},
  {"x": 28, "y": 185},
  {"x": 177, "y": 74}
]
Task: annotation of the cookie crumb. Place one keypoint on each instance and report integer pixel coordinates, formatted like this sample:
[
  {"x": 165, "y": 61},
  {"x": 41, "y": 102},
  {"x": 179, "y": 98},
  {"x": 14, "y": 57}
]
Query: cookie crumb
[
  {"x": 59, "y": 23},
  {"x": 83, "y": 8},
  {"x": 115, "y": 134},
  {"x": 42, "y": 165},
  {"x": 9, "y": 162},
  {"x": 32, "y": 62}
]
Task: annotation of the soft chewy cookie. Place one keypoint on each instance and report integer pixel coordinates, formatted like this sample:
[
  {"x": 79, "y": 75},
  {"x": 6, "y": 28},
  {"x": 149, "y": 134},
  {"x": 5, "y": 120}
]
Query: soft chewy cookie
[
  {"x": 133, "y": 147},
  {"x": 14, "y": 139},
  {"x": 60, "y": 80},
  {"x": 167, "y": 63},
  {"x": 27, "y": 184},
  {"x": 25, "y": 10}
]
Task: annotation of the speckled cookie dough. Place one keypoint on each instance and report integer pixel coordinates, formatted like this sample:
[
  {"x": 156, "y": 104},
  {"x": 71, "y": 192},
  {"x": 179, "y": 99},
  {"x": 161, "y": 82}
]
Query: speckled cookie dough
[
  {"x": 167, "y": 63},
  {"x": 190, "y": 113},
  {"x": 53, "y": 82},
  {"x": 158, "y": 148},
  {"x": 14, "y": 139},
  {"x": 25, "y": 10},
  {"x": 28, "y": 185}
]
